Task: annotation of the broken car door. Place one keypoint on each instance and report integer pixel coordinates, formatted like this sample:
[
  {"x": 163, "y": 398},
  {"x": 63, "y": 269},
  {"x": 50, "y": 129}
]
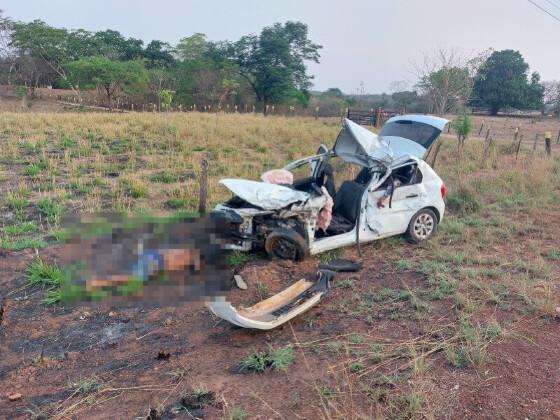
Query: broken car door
[{"x": 407, "y": 199}]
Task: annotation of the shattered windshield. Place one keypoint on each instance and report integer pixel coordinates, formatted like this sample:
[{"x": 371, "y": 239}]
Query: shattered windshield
[{"x": 421, "y": 133}]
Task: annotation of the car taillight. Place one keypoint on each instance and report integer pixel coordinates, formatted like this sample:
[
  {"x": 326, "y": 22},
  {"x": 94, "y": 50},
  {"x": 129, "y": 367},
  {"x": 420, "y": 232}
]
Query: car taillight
[{"x": 443, "y": 190}]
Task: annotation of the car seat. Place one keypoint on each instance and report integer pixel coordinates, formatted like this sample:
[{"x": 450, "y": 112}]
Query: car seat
[{"x": 346, "y": 206}]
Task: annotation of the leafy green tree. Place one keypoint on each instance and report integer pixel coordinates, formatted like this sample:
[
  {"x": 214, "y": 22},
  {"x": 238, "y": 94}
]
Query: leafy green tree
[
  {"x": 502, "y": 81},
  {"x": 463, "y": 126},
  {"x": 113, "y": 45},
  {"x": 445, "y": 79},
  {"x": 110, "y": 76},
  {"x": 405, "y": 98},
  {"x": 158, "y": 55},
  {"x": 273, "y": 63},
  {"x": 52, "y": 45},
  {"x": 336, "y": 92},
  {"x": 192, "y": 48},
  {"x": 165, "y": 99}
]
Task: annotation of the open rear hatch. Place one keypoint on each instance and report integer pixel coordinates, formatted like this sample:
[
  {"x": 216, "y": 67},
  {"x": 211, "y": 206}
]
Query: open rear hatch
[
  {"x": 411, "y": 134},
  {"x": 278, "y": 309}
]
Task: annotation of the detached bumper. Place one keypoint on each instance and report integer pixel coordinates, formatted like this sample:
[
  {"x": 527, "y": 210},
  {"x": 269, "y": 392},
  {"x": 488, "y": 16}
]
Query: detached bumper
[{"x": 278, "y": 309}]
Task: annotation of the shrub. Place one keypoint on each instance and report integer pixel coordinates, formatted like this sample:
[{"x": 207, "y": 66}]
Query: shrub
[
  {"x": 51, "y": 209},
  {"x": 463, "y": 201},
  {"x": 277, "y": 359}
]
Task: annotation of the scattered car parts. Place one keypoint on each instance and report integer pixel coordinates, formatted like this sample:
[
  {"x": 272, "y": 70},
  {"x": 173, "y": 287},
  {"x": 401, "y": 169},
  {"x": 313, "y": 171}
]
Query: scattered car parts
[{"x": 278, "y": 309}]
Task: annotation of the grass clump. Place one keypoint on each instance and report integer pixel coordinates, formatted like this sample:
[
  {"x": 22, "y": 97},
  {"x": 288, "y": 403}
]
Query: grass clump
[
  {"x": 86, "y": 385},
  {"x": 470, "y": 349},
  {"x": 49, "y": 277},
  {"x": 238, "y": 259},
  {"x": 164, "y": 177},
  {"x": 237, "y": 414},
  {"x": 50, "y": 208},
  {"x": 463, "y": 201},
  {"x": 275, "y": 359}
]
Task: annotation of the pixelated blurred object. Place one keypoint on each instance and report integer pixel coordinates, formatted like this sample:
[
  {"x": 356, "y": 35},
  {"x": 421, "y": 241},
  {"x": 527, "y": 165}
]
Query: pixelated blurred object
[
  {"x": 278, "y": 309},
  {"x": 278, "y": 176},
  {"x": 155, "y": 260}
]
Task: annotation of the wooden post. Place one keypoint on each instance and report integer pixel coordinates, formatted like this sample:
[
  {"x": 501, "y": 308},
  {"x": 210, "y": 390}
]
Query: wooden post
[
  {"x": 547, "y": 145},
  {"x": 481, "y": 128},
  {"x": 436, "y": 151},
  {"x": 535, "y": 142},
  {"x": 518, "y": 146},
  {"x": 487, "y": 135},
  {"x": 558, "y": 139},
  {"x": 515, "y": 133},
  {"x": 203, "y": 192},
  {"x": 378, "y": 118}
]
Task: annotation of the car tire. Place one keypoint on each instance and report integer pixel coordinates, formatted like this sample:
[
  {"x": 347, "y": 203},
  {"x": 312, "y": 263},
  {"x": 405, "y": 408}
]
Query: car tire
[
  {"x": 422, "y": 226},
  {"x": 286, "y": 244}
]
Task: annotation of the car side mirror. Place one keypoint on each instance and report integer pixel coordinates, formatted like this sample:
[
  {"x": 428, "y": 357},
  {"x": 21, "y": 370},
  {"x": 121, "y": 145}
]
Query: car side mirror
[{"x": 322, "y": 149}]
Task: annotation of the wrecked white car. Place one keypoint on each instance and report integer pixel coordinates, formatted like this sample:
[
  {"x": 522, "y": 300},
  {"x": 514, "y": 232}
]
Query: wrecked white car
[{"x": 367, "y": 187}]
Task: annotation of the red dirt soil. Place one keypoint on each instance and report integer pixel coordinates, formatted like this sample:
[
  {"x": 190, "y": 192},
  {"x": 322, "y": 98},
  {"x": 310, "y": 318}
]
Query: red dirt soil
[{"x": 148, "y": 358}]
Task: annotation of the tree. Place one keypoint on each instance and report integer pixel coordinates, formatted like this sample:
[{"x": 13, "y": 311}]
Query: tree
[
  {"x": 52, "y": 45},
  {"x": 165, "y": 99},
  {"x": 445, "y": 78},
  {"x": 552, "y": 96},
  {"x": 463, "y": 127},
  {"x": 502, "y": 81},
  {"x": 113, "y": 45},
  {"x": 192, "y": 48},
  {"x": 405, "y": 98},
  {"x": 158, "y": 55},
  {"x": 273, "y": 63},
  {"x": 8, "y": 55},
  {"x": 110, "y": 76}
]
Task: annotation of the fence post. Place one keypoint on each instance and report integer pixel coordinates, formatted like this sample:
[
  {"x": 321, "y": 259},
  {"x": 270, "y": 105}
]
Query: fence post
[
  {"x": 481, "y": 128},
  {"x": 518, "y": 146},
  {"x": 547, "y": 145},
  {"x": 516, "y": 133},
  {"x": 535, "y": 142},
  {"x": 487, "y": 135},
  {"x": 203, "y": 192},
  {"x": 558, "y": 139},
  {"x": 378, "y": 118}
]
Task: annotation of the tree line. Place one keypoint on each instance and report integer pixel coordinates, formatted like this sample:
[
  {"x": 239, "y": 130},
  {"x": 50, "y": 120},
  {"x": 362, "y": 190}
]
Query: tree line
[
  {"x": 258, "y": 69},
  {"x": 268, "y": 68}
]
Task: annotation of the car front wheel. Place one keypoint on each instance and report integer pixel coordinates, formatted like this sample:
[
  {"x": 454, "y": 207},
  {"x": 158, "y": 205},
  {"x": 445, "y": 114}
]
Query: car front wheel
[
  {"x": 422, "y": 225},
  {"x": 286, "y": 244}
]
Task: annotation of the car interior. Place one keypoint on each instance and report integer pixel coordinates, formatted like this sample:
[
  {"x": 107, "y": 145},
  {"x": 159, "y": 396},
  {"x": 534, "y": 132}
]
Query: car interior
[{"x": 348, "y": 196}]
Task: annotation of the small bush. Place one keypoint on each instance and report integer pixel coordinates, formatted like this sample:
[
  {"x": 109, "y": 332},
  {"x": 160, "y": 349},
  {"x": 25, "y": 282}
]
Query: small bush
[
  {"x": 86, "y": 385},
  {"x": 51, "y": 209},
  {"x": 237, "y": 259},
  {"x": 164, "y": 177},
  {"x": 276, "y": 359},
  {"x": 463, "y": 201}
]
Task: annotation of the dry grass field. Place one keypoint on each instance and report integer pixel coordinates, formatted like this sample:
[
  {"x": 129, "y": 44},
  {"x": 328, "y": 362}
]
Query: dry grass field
[{"x": 464, "y": 326}]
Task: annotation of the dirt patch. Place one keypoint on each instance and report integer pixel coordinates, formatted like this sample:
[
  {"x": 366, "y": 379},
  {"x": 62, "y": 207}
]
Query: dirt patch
[{"x": 149, "y": 362}]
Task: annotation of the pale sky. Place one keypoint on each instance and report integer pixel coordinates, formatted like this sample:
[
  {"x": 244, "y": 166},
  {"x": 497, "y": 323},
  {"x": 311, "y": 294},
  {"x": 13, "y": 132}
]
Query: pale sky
[{"x": 373, "y": 41}]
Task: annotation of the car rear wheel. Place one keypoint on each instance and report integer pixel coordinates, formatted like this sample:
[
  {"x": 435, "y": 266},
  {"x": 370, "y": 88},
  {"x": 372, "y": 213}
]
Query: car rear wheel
[
  {"x": 422, "y": 226},
  {"x": 286, "y": 244}
]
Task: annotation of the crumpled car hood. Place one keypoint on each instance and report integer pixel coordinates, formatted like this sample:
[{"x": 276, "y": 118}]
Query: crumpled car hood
[{"x": 264, "y": 195}]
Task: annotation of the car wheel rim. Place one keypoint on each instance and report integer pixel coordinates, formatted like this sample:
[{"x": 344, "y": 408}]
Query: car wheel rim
[
  {"x": 424, "y": 226},
  {"x": 285, "y": 249}
]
